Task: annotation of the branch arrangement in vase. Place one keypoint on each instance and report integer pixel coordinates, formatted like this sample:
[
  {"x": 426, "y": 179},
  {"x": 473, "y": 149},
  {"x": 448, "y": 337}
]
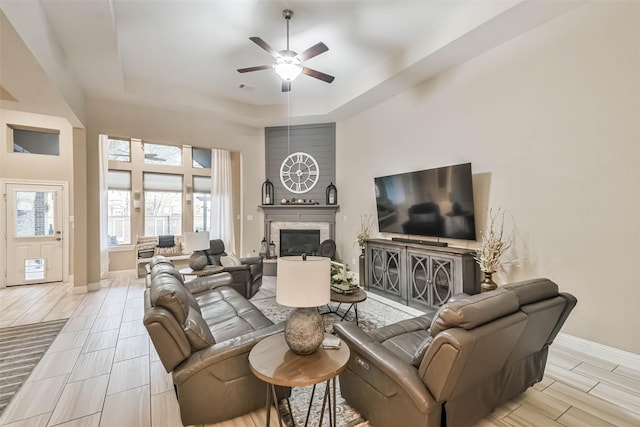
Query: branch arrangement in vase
[
  {"x": 364, "y": 232},
  {"x": 494, "y": 243}
]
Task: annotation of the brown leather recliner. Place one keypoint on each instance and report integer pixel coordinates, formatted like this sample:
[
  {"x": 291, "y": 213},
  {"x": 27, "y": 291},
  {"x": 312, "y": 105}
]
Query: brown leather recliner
[
  {"x": 203, "y": 331},
  {"x": 474, "y": 354},
  {"x": 247, "y": 277}
]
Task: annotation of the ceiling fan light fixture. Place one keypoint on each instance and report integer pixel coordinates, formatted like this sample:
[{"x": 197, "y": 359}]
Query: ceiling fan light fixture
[{"x": 288, "y": 68}]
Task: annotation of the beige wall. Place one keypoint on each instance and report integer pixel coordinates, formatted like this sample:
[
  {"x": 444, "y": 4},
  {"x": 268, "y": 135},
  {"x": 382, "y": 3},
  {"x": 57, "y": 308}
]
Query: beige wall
[
  {"x": 550, "y": 124},
  {"x": 163, "y": 126}
]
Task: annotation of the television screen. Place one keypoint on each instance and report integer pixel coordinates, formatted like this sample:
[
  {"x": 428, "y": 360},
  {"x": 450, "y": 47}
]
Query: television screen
[{"x": 433, "y": 202}]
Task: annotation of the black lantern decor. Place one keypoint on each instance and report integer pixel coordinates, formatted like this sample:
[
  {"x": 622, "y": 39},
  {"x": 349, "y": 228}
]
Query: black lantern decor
[
  {"x": 264, "y": 248},
  {"x": 332, "y": 194},
  {"x": 267, "y": 193},
  {"x": 272, "y": 250}
]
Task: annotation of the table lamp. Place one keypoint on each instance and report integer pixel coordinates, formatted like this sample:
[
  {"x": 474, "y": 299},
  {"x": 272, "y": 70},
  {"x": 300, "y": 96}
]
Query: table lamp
[
  {"x": 197, "y": 243},
  {"x": 304, "y": 283}
]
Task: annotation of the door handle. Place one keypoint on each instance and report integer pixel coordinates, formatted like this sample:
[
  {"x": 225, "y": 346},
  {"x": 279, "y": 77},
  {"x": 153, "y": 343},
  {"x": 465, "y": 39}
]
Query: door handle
[{"x": 58, "y": 238}]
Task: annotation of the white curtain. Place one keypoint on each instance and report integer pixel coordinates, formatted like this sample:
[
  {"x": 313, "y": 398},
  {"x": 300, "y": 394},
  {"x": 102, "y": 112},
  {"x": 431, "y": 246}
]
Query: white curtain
[
  {"x": 103, "y": 168},
  {"x": 221, "y": 199}
]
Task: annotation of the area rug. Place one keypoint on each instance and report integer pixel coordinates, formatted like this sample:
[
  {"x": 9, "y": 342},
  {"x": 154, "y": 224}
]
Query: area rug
[
  {"x": 371, "y": 314},
  {"x": 21, "y": 348}
]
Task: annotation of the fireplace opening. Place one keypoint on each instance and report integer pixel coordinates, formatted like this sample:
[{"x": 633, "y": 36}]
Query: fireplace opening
[{"x": 297, "y": 242}]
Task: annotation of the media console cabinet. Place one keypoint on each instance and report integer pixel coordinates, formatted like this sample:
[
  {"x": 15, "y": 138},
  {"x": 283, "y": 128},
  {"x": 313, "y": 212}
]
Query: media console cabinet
[{"x": 417, "y": 275}]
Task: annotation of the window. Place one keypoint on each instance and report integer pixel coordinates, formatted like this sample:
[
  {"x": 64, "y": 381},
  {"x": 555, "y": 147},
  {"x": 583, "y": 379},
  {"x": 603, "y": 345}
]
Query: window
[
  {"x": 120, "y": 150},
  {"x": 162, "y": 204},
  {"x": 201, "y": 202},
  {"x": 155, "y": 154},
  {"x": 36, "y": 141},
  {"x": 119, "y": 207},
  {"x": 201, "y": 157},
  {"x": 34, "y": 213}
]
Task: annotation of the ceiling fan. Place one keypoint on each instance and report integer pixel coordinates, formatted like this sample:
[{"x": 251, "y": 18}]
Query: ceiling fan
[{"x": 289, "y": 63}]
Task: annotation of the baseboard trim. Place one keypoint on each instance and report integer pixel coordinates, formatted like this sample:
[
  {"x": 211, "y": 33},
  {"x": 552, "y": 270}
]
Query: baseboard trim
[
  {"x": 80, "y": 289},
  {"x": 601, "y": 351},
  {"x": 409, "y": 310},
  {"x": 91, "y": 287}
]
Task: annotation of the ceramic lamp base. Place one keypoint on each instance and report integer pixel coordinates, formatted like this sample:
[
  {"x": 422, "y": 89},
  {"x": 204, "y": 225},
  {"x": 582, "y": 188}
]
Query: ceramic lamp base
[
  {"x": 198, "y": 260},
  {"x": 304, "y": 330}
]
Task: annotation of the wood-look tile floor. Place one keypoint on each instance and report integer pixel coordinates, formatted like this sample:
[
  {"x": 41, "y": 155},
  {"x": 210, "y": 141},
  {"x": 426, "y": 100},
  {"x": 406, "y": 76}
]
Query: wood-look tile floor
[{"x": 103, "y": 371}]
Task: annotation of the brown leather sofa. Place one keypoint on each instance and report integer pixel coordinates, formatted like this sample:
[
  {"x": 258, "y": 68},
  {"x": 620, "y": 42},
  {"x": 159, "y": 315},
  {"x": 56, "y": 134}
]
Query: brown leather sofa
[
  {"x": 203, "y": 331},
  {"x": 458, "y": 365}
]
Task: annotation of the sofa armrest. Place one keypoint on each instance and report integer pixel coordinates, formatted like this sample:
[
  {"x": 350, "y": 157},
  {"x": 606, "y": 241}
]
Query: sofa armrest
[
  {"x": 205, "y": 283},
  {"x": 243, "y": 267},
  {"x": 251, "y": 260},
  {"x": 366, "y": 351},
  {"x": 221, "y": 352}
]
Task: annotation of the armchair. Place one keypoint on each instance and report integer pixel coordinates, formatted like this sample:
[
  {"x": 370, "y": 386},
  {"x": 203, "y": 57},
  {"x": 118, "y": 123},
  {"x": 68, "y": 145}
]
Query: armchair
[
  {"x": 246, "y": 277},
  {"x": 458, "y": 365}
]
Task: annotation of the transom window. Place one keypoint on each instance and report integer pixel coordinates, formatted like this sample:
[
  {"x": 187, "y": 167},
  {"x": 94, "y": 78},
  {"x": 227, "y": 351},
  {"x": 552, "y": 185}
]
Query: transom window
[
  {"x": 201, "y": 157},
  {"x": 156, "y": 154},
  {"x": 120, "y": 150},
  {"x": 36, "y": 141}
]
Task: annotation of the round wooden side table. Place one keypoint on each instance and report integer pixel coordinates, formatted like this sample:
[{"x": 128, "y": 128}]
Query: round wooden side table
[
  {"x": 273, "y": 362},
  {"x": 353, "y": 299}
]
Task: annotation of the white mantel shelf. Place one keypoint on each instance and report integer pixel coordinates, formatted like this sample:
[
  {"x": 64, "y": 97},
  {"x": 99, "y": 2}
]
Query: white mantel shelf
[{"x": 300, "y": 206}]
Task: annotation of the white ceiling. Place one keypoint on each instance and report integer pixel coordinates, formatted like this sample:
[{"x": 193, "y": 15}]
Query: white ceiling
[{"x": 183, "y": 54}]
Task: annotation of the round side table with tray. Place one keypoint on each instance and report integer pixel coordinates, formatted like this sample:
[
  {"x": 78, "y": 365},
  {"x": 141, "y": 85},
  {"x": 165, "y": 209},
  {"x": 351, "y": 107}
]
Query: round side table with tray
[
  {"x": 352, "y": 297},
  {"x": 273, "y": 362}
]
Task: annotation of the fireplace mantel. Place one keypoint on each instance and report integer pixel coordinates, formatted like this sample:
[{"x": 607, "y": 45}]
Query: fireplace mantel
[{"x": 299, "y": 213}]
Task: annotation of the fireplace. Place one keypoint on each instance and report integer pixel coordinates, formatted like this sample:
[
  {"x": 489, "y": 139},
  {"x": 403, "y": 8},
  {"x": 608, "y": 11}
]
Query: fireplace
[{"x": 297, "y": 242}]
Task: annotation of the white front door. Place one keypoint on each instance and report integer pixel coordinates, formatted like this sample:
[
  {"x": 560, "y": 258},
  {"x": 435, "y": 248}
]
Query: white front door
[{"x": 34, "y": 233}]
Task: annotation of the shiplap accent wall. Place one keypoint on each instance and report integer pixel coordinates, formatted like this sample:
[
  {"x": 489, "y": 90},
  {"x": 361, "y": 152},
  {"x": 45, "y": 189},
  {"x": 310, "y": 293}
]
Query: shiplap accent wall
[{"x": 318, "y": 140}]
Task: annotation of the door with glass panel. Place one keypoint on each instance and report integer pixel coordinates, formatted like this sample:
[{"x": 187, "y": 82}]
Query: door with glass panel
[{"x": 34, "y": 234}]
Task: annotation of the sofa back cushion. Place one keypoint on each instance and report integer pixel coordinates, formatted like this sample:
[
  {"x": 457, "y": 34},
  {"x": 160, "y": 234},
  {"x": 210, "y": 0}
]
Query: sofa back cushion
[
  {"x": 165, "y": 268},
  {"x": 167, "y": 335},
  {"x": 197, "y": 331},
  {"x": 215, "y": 251},
  {"x": 167, "y": 292},
  {"x": 540, "y": 301},
  {"x": 469, "y": 312}
]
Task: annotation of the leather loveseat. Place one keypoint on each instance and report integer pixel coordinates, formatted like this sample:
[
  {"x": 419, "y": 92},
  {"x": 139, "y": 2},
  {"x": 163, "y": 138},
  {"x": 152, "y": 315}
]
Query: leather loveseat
[
  {"x": 456, "y": 366},
  {"x": 203, "y": 331}
]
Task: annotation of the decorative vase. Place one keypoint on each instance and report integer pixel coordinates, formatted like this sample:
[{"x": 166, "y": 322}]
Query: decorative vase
[
  {"x": 488, "y": 284},
  {"x": 362, "y": 274}
]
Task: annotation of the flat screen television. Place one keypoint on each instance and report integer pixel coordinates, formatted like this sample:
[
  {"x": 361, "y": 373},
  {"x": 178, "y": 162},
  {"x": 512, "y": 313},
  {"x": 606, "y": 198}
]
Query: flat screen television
[{"x": 433, "y": 202}]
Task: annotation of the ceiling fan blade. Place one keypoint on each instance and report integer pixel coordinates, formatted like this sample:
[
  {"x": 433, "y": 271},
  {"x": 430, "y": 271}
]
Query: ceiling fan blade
[
  {"x": 263, "y": 44},
  {"x": 258, "y": 68},
  {"x": 317, "y": 74},
  {"x": 286, "y": 86},
  {"x": 314, "y": 50}
]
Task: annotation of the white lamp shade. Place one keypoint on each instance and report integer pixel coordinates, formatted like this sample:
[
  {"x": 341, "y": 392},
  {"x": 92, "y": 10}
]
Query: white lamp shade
[
  {"x": 196, "y": 241},
  {"x": 303, "y": 283}
]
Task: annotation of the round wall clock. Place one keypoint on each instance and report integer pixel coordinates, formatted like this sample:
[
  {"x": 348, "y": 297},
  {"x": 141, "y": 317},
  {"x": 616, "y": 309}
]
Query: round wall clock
[{"x": 299, "y": 172}]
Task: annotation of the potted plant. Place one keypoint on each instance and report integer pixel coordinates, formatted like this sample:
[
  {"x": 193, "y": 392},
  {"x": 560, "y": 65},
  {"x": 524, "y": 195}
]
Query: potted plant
[
  {"x": 493, "y": 245},
  {"x": 341, "y": 279}
]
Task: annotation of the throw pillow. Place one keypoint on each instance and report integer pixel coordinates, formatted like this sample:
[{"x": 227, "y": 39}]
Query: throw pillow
[
  {"x": 421, "y": 350},
  {"x": 230, "y": 261}
]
